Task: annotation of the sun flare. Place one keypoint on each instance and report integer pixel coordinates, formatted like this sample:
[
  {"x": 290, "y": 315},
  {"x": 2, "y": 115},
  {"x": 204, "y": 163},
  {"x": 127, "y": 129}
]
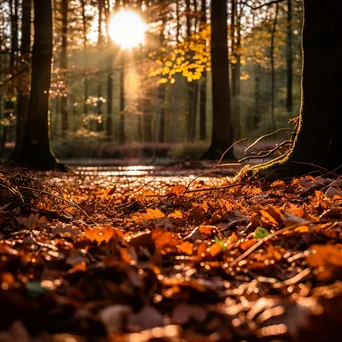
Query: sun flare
[{"x": 127, "y": 29}]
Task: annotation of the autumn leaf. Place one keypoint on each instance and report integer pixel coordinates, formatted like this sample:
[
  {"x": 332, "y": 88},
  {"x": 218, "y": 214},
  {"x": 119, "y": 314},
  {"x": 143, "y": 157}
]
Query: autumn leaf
[{"x": 260, "y": 233}]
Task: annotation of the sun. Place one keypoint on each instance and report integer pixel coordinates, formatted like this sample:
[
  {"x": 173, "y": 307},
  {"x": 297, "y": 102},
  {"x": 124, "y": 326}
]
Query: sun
[{"x": 127, "y": 29}]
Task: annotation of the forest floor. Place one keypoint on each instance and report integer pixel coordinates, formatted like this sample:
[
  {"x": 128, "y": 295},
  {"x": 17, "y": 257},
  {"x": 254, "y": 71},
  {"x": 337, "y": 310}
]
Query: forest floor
[{"x": 101, "y": 256}]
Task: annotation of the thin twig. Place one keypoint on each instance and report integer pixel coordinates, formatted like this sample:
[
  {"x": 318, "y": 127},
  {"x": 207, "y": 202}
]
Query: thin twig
[
  {"x": 298, "y": 277},
  {"x": 14, "y": 192},
  {"x": 268, "y": 135},
  {"x": 266, "y": 238},
  {"x": 59, "y": 197},
  {"x": 269, "y": 153},
  {"x": 215, "y": 166},
  {"x": 263, "y": 5}
]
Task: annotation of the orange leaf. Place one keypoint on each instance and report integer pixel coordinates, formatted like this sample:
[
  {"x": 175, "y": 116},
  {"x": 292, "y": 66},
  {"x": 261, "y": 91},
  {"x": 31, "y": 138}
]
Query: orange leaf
[
  {"x": 176, "y": 214},
  {"x": 215, "y": 249}
]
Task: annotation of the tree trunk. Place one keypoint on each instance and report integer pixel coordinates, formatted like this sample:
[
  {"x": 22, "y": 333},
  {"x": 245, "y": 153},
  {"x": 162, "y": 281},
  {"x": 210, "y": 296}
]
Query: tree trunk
[
  {"x": 273, "y": 80},
  {"x": 235, "y": 67},
  {"x": 99, "y": 122},
  {"x": 85, "y": 56},
  {"x": 9, "y": 103},
  {"x": 175, "y": 108},
  {"x": 203, "y": 86},
  {"x": 34, "y": 151},
  {"x": 109, "y": 117},
  {"x": 161, "y": 112},
  {"x": 192, "y": 86},
  {"x": 64, "y": 67},
  {"x": 222, "y": 134},
  {"x": 24, "y": 79},
  {"x": 289, "y": 59},
  {"x": 318, "y": 142},
  {"x": 122, "y": 106}
]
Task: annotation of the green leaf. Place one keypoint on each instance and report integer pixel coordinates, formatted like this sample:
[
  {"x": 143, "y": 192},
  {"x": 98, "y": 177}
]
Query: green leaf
[
  {"x": 261, "y": 232},
  {"x": 34, "y": 289},
  {"x": 221, "y": 243}
]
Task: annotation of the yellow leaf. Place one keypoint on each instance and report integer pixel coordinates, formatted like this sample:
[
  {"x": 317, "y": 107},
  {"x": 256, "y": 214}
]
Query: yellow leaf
[{"x": 176, "y": 214}]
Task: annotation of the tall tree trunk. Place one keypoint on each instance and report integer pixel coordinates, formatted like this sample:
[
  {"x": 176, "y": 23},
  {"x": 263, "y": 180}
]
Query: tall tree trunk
[
  {"x": 175, "y": 86},
  {"x": 192, "y": 86},
  {"x": 256, "y": 111},
  {"x": 175, "y": 108},
  {"x": 273, "y": 76},
  {"x": 178, "y": 27},
  {"x": 222, "y": 134},
  {"x": 109, "y": 117},
  {"x": 23, "y": 89},
  {"x": 9, "y": 103},
  {"x": 289, "y": 58},
  {"x": 235, "y": 41},
  {"x": 161, "y": 112},
  {"x": 203, "y": 87},
  {"x": 318, "y": 142},
  {"x": 85, "y": 57},
  {"x": 64, "y": 67},
  {"x": 34, "y": 151},
  {"x": 122, "y": 136},
  {"x": 99, "y": 122}
]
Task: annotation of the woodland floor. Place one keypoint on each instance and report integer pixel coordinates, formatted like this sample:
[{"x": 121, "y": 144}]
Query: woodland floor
[{"x": 110, "y": 257}]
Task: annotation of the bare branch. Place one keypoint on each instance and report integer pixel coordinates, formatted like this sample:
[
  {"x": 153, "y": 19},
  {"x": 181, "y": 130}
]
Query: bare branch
[{"x": 263, "y": 5}]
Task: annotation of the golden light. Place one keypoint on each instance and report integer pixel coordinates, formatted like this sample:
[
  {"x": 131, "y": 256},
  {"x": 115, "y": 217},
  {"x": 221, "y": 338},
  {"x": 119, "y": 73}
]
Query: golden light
[{"x": 127, "y": 29}]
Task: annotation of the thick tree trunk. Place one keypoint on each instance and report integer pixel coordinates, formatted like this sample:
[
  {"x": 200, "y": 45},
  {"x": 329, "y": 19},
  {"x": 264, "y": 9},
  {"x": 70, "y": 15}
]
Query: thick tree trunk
[
  {"x": 319, "y": 140},
  {"x": 222, "y": 134},
  {"x": 24, "y": 79},
  {"x": 64, "y": 67},
  {"x": 34, "y": 151}
]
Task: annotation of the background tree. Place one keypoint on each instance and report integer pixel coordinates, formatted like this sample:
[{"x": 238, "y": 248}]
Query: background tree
[
  {"x": 34, "y": 150},
  {"x": 222, "y": 133}
]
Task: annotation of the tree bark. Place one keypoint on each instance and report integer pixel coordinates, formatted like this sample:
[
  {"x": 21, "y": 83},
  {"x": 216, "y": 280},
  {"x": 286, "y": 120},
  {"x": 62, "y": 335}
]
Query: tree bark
[
  {"x": 222, "y": 134},
  {"x": 34, "y": 151}
]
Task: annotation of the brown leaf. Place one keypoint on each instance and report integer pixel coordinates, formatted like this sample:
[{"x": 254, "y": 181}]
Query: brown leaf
[
  {"x": 184, "y": 312},
  {"x": 146, "y": 318}
]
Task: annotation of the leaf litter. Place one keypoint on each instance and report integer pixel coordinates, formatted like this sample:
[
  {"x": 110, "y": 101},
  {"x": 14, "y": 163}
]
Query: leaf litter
[{"x": 102, "y": 258}]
